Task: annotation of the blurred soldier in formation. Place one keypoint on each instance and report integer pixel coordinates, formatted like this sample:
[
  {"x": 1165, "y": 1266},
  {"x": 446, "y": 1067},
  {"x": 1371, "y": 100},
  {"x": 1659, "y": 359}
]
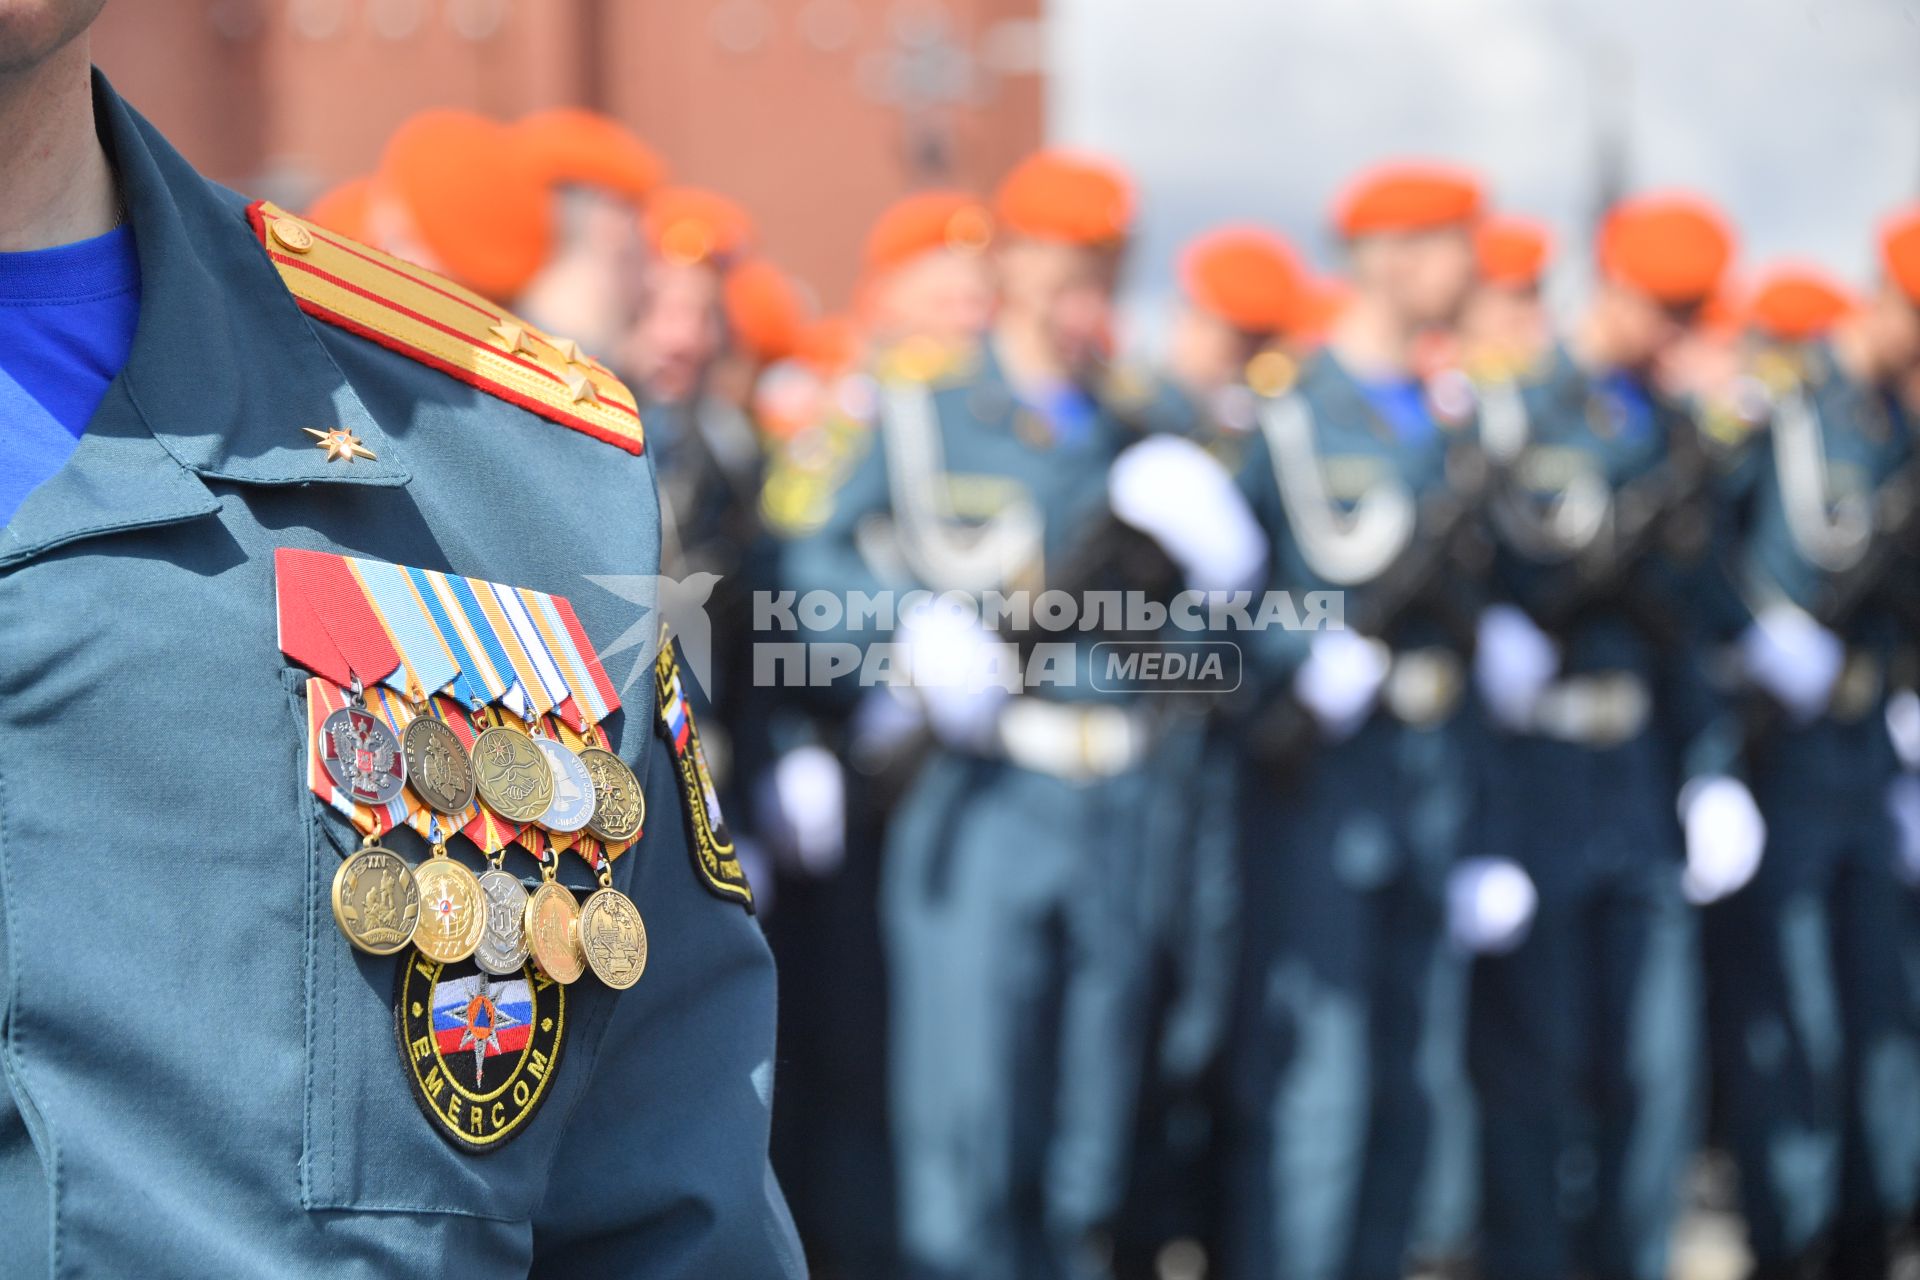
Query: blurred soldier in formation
[
  {"x": 1359, "y": 789},
  {"x": 1011, "y": 874},
  {"x": 1241, "y": 287},
  {"x": 1242, "y": 291},
  {"x": 926, "y": 298},
  {"x": 1814, "y": 1037},
  {"x": 1584, "y": 1037},
  {"x": 1506, "y": 327},
  {"x": 600, "y": 176},
  {"x": 456, "y": 194}
]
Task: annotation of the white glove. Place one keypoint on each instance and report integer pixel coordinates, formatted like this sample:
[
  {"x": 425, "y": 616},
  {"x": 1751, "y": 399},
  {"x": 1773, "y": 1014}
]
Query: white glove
[
  {"x": 1903, "y": 726},
  {"x": 1513, "y": 662},
  {"x": 1179, "y": 495},
  {"x": 1903, "y": 804},
  {"x": 1725, "y": 837},
  {"x": 958, "y": 668},
  {"x": 810, "y": 795},
  {"x": 1340, "y": 680},
  {"x": 1490, "y": 905},
  {"x": 1793, "y": 658}
]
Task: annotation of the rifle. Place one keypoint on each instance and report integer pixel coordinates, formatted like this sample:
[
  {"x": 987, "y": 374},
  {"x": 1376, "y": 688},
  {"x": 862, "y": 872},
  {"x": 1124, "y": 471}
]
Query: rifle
[
  {"x": 1448, "y": 544},
  {"x": 1665, "y": 507}
]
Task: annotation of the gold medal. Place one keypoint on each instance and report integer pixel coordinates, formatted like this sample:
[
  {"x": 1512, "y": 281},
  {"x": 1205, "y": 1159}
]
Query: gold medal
[
  {"x": 453, "y": 909},
  {"x": 376, "y": 901},
  {"x": 437, "y": 765},
  {"x": 512, "y": 775},
  {"x": 613, "y": 937},
  {"x": 551, "y": 917},
  {"x": 619, "y": 805}
]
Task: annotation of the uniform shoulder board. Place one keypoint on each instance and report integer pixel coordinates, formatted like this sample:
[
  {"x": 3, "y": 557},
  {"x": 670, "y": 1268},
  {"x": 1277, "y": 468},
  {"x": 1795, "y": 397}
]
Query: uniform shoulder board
[{"x": 438, "y": 323}]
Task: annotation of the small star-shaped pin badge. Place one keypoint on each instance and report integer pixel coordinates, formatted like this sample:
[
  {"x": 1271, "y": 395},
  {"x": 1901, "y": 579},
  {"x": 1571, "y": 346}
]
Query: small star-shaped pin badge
[
  {"x": 569, "y": 350},
  {"x": 341, "y": 444},
  {"x": 581, "y": 387},
  {"x": 512, "y": 336}
]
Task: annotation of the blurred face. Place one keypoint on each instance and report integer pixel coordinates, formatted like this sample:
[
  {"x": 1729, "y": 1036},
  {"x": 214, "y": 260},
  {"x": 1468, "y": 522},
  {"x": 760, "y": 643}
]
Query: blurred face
[
  {"x": 677, "y": 334},
  {"x": 1640, "y": 330},
  {"x": 946, "y": 295},
  {"x": 1424, "y": 276},
  {"x": 1205, "y": 353},
  {"x": 1896, "y": 329},
  {"x": 1506, "y": 322},
  {"x": 1064, "y": 292},
  {"x": 31, "y": 31}
]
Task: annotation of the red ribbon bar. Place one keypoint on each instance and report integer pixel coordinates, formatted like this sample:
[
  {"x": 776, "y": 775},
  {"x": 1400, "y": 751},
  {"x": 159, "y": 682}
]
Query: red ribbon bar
[{"x": 335, "y": 600}]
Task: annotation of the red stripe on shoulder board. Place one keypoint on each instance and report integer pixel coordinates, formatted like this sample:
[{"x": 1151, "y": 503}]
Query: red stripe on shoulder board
[
  {"x": 256, "y": 217},
  {"x": 527, "y": 402}
]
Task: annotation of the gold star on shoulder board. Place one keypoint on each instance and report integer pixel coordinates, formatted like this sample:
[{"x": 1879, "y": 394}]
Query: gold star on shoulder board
[
  {"x": 341, "y": 444},
  {"x": 569, "y": 350},
  {"x": 512, "y": 336},
  {"x": 581, "y": 387}
]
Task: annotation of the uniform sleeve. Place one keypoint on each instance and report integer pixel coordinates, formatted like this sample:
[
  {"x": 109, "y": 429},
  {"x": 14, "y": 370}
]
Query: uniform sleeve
[{"x": 663, "y": 1172}]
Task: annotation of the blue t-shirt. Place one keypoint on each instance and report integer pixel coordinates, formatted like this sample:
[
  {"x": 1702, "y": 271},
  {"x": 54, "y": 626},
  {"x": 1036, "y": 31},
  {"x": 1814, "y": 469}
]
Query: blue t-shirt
[
  {"x": 1066, "y": 408},
  {"x": 67, "y": 316},
  {"x": 1402, "y": 403},
  {"x": 1628, "y": 404}
]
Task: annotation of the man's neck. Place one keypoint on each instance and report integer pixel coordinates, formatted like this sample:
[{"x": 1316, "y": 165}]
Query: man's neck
[
  {"x": 58, "y": 187},
  {"x": 1371, "y": 342}
]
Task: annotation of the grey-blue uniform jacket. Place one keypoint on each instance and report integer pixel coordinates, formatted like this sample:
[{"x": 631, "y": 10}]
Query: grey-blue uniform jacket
[{"x": 201, "y": 1078}]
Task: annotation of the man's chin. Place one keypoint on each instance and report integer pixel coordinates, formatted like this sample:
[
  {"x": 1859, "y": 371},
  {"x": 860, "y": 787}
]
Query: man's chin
[{"x": 32, "y": 31}]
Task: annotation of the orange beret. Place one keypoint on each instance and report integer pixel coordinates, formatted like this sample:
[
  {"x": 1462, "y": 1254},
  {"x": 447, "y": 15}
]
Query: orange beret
[
  {"x": 1513, "y": 251},
  {"x": 1066, "y": 198},
  {"x": 690, "y": 225},
  {"x": 1798, "y": 303},
  {"x": 925, "y": 222},
  {"x": 831, "y": 344},
  {"x": 766, "y": 312},
  {"x": 1900, "y": 251},
  {"x": 475, "y": 200},
  {"x": 1674, "y": 248},
  {"x": 343, "y": 208},
  {"x": 571, "y": 146},
  {"x": 1410, "y": 196},
  {"x": 1247, "y": 276}
]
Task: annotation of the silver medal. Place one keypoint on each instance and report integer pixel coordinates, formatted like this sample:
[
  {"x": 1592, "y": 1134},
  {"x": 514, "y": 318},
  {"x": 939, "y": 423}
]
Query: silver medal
[
  {"x": 362, "y": 756},
  {"x": 572, "y": 806},
  {"x": 503, "y": 940}
]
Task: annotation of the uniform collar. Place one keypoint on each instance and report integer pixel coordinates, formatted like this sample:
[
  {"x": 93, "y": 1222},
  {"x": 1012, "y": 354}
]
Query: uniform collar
[{"x": 224, "y": 372}]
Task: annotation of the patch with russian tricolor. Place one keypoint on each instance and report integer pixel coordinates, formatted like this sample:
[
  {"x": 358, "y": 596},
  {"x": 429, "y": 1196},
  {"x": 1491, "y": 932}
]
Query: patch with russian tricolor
[
  {"x": 480, "y": 1051},
  {"x": 439, "y": 323},
  {"x": 715, "y": 860}
]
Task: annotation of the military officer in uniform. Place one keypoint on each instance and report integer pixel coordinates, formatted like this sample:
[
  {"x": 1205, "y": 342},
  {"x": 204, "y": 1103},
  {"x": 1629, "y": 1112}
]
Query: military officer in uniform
[
  {"x": 201, "y": 1077},
  {"x": 598, "y": 176},
  {"x": 1584, "y": 1039},
  {"x": 1358, "y": 792},
  {"x": 1817, "y": 1059}
]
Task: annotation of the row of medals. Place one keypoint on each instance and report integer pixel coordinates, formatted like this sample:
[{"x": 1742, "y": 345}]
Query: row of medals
[{"x": 446, "y": 911}]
